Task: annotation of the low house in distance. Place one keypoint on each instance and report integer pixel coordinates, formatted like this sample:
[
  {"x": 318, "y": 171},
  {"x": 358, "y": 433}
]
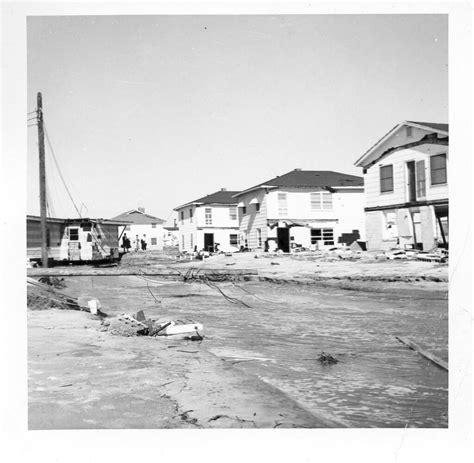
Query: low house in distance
[
  {"x": 144, "y": 226},
  {"x": 302, "y": 208},
  {"x": 77, "y": 240},
  {"x": 171, "y": 235},
  {"x": 406, "y": 187},
  {"x": 209, "y": 222}
]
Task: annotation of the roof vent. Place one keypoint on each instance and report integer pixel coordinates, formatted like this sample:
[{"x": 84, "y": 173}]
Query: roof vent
[
  {"x": 141, "y": 209},
  {"x": 298, "y": 169},
  {"x": 223, "y": 189}
]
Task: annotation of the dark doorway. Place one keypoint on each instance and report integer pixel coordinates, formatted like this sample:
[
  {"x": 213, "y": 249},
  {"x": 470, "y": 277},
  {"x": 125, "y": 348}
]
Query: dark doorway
[
  {"x": 411, "y": 181},
  {"x": 209, "y": 242},
  {"x": 283, "y": 238}
]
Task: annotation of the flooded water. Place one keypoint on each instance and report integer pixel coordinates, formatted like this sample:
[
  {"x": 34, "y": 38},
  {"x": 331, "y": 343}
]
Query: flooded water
[{"x": 378, "y": 381}]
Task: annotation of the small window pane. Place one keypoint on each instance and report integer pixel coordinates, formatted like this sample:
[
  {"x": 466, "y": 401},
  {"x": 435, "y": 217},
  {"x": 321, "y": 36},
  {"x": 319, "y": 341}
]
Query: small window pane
[
  {"x": 208, "y": 215},
  {"x": 438, "y": 169},
  {"x": 386, "y": 178}
]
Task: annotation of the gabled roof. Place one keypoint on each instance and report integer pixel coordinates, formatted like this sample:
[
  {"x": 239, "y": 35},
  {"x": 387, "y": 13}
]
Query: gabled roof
[
  {"x": 441, "y": 128},
  {"x": 138, "y": 217},
  {"x": 219, "y": 197},
  {"x": 430, "y": 127},
  {"x": 311, "y": 179}
]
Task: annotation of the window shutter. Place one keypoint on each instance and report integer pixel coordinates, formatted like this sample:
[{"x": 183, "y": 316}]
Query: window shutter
[{"x": 420, "y": 179}]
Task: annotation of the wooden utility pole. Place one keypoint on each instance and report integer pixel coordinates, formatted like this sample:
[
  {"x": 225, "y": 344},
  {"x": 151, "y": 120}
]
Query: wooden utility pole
[{"x": 42, "y": 182}]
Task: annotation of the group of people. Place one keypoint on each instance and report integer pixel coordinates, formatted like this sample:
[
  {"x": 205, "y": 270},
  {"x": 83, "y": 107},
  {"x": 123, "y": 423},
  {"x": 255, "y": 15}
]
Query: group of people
[{"x": 139, "y": 243}]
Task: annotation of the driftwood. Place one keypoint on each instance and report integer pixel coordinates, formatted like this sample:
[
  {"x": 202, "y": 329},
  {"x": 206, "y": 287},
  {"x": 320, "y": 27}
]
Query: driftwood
[{"x": 436, "y": 360}]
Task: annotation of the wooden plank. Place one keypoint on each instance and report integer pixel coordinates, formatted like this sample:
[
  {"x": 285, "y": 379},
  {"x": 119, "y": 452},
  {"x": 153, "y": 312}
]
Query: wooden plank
[{"x": 441, "y": 363}]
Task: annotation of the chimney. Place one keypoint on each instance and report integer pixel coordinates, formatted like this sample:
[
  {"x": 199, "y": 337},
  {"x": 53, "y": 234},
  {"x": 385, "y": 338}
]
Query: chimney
[
  {"x": 141, "y": 209},
  {"x": 298, "y": 169},
  {"x": 223, "y": 189}
]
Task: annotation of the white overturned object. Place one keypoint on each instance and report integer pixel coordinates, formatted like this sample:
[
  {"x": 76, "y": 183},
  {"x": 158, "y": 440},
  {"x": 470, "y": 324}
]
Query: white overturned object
[
  {"x": 181, "y": 328},
  {"x": 94, "y": 306}
]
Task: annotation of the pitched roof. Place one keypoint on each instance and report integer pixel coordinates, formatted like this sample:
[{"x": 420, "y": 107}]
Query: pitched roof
[
  {"x": 219, "y": 197},
  {"x": 439, "y": 128},
  {"x": 138, "y": 217},
  {"x": 310, "y": 178},
  {"x": 432, "y": 125}
]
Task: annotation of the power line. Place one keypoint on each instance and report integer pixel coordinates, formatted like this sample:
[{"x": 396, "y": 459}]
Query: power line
[{"x": 60, "y": 173}]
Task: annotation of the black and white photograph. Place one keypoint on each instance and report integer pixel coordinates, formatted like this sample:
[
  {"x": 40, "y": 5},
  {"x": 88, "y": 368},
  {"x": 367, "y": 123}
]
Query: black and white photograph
[{"x": 242, "y": 220}]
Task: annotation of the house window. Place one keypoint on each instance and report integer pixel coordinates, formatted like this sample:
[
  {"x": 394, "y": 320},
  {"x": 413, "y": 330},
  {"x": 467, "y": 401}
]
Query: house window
[
  {"x": 244, "y": 210},
  {"x": 321, "y": 200},
  {"x": 386, "y": 178},
  {"x": 191, "y": 215},
  {"x": 282, "y": 205},
  {"x": 438, "y": 169},
  {"x": 322, "y": 235},
  {"x": 153, "y": 241},
  {"x": 257, "y": 207},
  {"x": 208, "y": 215},
  {"x": 233, "y": 213},
  {"x": 182, "y": 216},
  {"x": 259, "y": 237},
  {"x": 233, "y": 240},
  {"x": 153, "y": 225},
  {"x": 74, "y": 234}
]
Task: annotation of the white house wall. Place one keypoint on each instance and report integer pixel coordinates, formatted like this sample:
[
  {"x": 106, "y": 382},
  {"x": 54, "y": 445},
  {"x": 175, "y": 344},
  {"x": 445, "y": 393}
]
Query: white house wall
[
  {"x": 253, "y": 219},
  {"x": 222, "y": 227},
  {"x": 399, "y": 195}
]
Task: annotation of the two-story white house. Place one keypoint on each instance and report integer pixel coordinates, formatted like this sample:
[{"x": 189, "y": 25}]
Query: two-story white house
[
  {"x": 308, "y": 208},
  {"x": 209, "y": 223},
  {"x": 142, "y": 226},
  {"x": 406, "y": 187}
]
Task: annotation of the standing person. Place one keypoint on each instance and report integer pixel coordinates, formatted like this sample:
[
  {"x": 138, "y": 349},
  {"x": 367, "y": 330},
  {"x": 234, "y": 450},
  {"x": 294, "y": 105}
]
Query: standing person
[
  {"x": 144, "y": 243},
  {"x": 137, "y": 244},
  {"x": 124, "y": 242}
]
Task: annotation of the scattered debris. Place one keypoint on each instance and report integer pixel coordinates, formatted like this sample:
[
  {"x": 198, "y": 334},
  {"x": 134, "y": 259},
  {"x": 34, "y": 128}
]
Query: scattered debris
[
  {"x": 178, "y": 327},
  {"x": 53, "y": 281},
  {"x": 327, "y": 359},
  {"x": 275, "y": 263},
  {"x": 138, "y": 325},
  {"x": 194, "y": 337}
]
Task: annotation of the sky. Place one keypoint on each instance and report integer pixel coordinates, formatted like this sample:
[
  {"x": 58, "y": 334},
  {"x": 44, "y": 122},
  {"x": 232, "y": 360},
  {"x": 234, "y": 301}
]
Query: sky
[{"x": 155, "y": 111}]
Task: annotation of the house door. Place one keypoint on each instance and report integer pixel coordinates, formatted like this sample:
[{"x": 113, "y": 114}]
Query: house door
[
  {"x": 283, "y": 239},
  {"x": 411, "y": 181},
  {"x": 74, "y": 250},
  {"x": 209, "y": 242},
  {"x": 417, "y": 238}
]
